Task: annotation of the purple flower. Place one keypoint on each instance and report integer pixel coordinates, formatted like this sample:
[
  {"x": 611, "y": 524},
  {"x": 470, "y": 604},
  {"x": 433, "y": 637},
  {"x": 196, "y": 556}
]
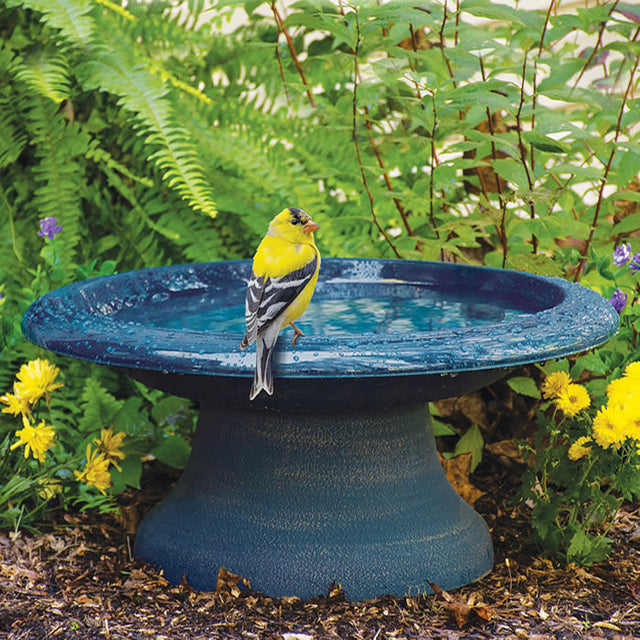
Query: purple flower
[
  {"x": 49, "y": 227},
  {"x": 621, "y": 255},
  {"x": 618, "y": 300}
]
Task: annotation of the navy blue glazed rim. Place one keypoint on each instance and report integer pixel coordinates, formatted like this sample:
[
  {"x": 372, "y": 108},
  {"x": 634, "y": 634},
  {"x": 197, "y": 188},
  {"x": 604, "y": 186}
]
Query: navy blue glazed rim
[{"x": 82, "y": 320}]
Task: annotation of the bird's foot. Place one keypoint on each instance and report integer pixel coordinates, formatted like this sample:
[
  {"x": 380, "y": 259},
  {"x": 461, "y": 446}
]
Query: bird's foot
[{"x": 295, "y": 335}]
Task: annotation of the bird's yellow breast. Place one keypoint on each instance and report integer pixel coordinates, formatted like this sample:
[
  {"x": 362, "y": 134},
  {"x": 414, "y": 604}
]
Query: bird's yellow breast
[{"x": 277, "y": 257}]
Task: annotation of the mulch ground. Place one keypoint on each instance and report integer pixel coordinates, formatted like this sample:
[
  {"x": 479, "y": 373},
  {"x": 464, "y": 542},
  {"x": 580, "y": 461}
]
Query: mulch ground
[{"x": 77, "y": 580}]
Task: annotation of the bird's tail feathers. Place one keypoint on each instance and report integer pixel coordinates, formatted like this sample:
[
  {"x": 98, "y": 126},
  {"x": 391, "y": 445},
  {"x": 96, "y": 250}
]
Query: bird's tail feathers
[{"x": 263, "y": 377}]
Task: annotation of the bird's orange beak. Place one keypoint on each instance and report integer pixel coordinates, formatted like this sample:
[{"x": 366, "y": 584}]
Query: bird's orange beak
[{"x": 310, "y": 226}]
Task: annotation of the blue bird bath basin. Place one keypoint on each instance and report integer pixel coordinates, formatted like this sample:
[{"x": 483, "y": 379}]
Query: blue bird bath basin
[{"x": 336, "y": 476}]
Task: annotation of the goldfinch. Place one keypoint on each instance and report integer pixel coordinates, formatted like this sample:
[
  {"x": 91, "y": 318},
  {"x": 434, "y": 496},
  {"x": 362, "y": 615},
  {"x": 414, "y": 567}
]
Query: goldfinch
[{"x": 284, "y": 276}]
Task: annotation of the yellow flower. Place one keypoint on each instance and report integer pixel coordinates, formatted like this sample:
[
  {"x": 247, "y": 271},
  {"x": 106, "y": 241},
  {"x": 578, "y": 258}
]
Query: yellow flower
[
  {"x": 36, "y": 379},
  {"x": 632, "y": 371},
  {"x": 632, "y": 421},
  {"x": 16, "y": 404},
  {"x": 36, "y": 440},
  {"x": 621, "y": 391},
  {"x": 554, "y": 383},
  {"x": 579, "y": 449},
  {"x": 608, "y": 427},
  {"x": 96, "y": 470},
  {"x": 110, "y": 444},
  {"x": 573, "y": 399}
]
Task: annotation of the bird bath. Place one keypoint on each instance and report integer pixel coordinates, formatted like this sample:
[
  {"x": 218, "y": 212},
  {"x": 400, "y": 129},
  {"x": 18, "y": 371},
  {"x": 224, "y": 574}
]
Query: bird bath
[{"x": 335, "y": 477}]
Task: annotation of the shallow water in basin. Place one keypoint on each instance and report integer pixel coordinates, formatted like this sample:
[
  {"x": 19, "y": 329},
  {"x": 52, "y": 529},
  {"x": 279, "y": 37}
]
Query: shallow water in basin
[{"x": 329, "y": 316}]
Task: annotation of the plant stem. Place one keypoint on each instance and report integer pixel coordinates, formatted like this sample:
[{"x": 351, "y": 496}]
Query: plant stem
[
  {"x": 502, "y": 231},
  {"x": 607, "y": 169},
  {"x": 534, "y": 98},
  {"x": 385, "y": 175},
  {"x": 603, "y": 26},
  {"x": 356, "y": 73},
  {"x": 284, "y": 82},
  {"x": 294, "y": 55},
  {"x": 523, "y": 152}
]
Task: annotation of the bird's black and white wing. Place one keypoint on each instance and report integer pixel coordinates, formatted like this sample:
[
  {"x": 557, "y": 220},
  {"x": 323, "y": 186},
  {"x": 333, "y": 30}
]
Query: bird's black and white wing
[{"x": 267, "y": 297}]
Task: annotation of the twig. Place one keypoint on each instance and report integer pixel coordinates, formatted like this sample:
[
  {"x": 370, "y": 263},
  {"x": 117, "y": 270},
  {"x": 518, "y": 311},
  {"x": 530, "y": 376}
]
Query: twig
[
  {"x": 284, "y": 82},
  {"x": 502, "y": 230},
  {"x": 385, "y": 175},
  {"x": 433, "y": 163},
  {"x": 534, "y": 98},
  {"x": 294, "y": 55},
  {"x": 356, "y": 73},
  {"x": 523, "y": 152},
  {"x": 603, "y": 26},
  {"x": 461, "y": 114},
  {"x": 607, "y": 169}
]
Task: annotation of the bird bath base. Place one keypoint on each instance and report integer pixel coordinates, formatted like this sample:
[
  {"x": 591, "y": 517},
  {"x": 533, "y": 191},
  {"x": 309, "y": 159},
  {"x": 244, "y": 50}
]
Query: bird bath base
[
  {"x": 335, "y": 478},
  {"x": 295, "y": 501}
]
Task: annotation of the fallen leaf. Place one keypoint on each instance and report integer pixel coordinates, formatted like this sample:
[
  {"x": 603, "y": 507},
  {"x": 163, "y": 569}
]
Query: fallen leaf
[
  {"x": 457, "y": 471},
  {"x": 507, "y": 449},
  {"x": 458, "y": 609},
  {"x": 335, "y": 591},
  {"x": 228, "y": 582},
  {"x": 470, "y": 405}
]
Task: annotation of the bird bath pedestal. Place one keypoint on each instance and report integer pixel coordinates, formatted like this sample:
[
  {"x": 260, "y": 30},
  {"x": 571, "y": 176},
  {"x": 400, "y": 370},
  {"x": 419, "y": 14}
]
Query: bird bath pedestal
[{"x": 335, "y": 477}]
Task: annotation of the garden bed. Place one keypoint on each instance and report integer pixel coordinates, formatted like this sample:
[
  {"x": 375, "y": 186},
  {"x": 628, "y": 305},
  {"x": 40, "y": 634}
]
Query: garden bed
[{"x": 78, "y": 580}]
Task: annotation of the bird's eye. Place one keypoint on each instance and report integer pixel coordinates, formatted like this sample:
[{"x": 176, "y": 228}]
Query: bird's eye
[{"x": 295, "y": 221}]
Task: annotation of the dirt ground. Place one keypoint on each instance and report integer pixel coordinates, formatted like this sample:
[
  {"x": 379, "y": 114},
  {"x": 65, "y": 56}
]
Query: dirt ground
[{"x": 77, "y": 580}]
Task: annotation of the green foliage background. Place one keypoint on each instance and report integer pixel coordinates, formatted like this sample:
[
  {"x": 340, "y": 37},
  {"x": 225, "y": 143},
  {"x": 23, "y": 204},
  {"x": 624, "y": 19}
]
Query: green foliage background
[{"x": 163, "y": 133}]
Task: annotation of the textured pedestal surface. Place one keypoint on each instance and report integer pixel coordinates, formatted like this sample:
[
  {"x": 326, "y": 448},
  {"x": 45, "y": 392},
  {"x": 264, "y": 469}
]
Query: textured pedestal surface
[{"x": 295, "y": 501}]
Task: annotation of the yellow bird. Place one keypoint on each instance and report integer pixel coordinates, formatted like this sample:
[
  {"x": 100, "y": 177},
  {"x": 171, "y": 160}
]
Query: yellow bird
[{"x": 285, "y": 273}]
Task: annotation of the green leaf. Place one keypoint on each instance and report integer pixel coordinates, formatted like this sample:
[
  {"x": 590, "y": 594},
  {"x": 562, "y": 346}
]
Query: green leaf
[
  {"x": 173, "y": 413},
  {"x": 524, "y": 386},
  {"x": 442, "y": 428},
  {"x": 627, "y": 167},
  {"x": 173, "y": 451},
  {"x": 627, "y": 224},
  {"x": 560, "y": 73},
  {"x": 585, "y": 549},
  {"x": 471, "y": 442},
  {"x": 590, "y": 362},
  {"x": 512, "y": 170},
  {"x": 494, "y": 11},
  {"x": 545, "y": 143},
  {"x": 129, "y": 476},
  {"x": 99, "y": 407},
  {"x": 132, "y": 418},
  {"x": 538, "y": 264}
]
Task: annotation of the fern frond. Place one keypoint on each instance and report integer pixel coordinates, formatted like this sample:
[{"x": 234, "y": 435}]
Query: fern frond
[
  {"x": 58, "y": 144},
  {"x": 102, "y": 157},
  {"x": 143, "y": 94},
  {"x": 68, "y": 16},
  {"x": 47, "y": 73},
  {"x": 12, "y": 138}
]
